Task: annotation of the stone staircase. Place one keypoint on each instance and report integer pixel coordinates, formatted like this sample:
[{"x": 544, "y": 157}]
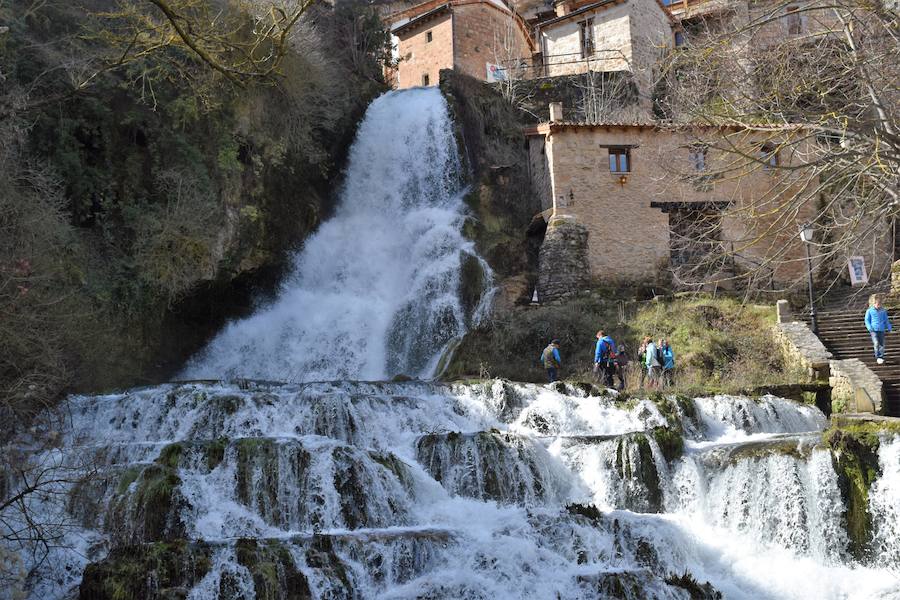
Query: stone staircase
[{"x": 842, "y": 330}]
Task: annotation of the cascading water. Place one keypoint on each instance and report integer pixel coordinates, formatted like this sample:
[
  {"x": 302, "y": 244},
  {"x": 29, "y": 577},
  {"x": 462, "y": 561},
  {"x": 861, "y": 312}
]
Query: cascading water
[
  {"x": 375, "y": 292},
  {"x": 374, "y": 490}
]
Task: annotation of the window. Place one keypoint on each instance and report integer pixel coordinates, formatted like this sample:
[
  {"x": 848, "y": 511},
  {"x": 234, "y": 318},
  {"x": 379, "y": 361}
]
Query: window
[
  {"x": 619, "y": 160},
  {"x": 697, "y": 156},
  {"x": 768, "y": 155},
  {"x": 679, "y": 38},
  {"x": 428, "y": 36},
  {"x": 426, "y": 81},
  {"x": 587, "y": 37},
  {"x": 794, "y": 20}
]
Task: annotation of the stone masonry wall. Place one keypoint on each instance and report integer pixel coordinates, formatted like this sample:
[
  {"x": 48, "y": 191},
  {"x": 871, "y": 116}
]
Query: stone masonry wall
[
  {"x": 856, "y": 385},
  {"x": 484, "y": 34},
  {"x": 802, "y": 349},
  {"x": 420, "y": 57},
  {"x": 563, "y": 269},
  {"x": 651, "y": 36},
  {"x": 630, "y": 238},
  {"x": 561, "y": 43}
]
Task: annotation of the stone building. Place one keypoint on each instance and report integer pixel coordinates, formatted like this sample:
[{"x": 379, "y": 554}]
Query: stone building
[
  {"x": 633, "y": 187},
  {"x": 609, "y": 35},
  {"x": 481, "y": 38}
]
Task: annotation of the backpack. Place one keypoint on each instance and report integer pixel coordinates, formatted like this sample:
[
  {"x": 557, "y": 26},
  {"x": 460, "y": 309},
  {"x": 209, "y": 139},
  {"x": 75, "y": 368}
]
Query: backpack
[{"x": 607, "y": 354}]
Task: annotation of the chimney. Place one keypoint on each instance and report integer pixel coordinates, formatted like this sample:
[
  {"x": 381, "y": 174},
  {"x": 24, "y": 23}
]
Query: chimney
[{"x": 556, "y": 113}]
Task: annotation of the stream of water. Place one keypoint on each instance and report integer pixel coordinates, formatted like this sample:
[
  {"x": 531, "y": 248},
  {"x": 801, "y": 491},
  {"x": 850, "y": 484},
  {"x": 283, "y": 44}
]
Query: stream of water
[{"x": 322, "y": 486}]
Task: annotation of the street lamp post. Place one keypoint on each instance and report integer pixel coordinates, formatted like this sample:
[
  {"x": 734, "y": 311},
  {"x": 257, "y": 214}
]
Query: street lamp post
[{"x": 806, "y": 234}]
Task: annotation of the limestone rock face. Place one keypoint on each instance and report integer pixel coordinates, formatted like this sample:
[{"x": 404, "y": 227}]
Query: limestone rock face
[{"x": 563, "y": 263}]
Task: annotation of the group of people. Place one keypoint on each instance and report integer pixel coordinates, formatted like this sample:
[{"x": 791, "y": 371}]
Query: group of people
[
  {"x": 658, "y": 363},
  {"x": 656, "y": 360}
]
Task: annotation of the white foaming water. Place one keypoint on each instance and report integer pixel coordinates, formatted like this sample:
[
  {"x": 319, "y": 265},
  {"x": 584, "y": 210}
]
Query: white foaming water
[
  {"x": 375, "y": 292},
  {"x": 884, "y": 505},
  {"x": 734, "y": 418},
  {"x": 410, "y": 490},
  {"x": 419, "y": 490}
]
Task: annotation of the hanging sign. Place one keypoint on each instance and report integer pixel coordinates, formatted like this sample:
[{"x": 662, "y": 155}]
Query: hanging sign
[
  {"x": 495, "y": 73},
  {"x": 858, "y": 273}
]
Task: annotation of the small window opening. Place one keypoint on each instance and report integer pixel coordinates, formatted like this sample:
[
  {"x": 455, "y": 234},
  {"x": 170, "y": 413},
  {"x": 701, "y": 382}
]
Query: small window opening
[
  {"x": 619, "y": 160},
  {"x": 586, "y": 30},
  {"x": 768, "y": 155},
  {"x": 794, "y": 20},
  {"x": 679, "y": 39},
  {"x": 428, "y": 36},
  {"x": 697, "y": 155},
  {"x": 426, "y": 81}
]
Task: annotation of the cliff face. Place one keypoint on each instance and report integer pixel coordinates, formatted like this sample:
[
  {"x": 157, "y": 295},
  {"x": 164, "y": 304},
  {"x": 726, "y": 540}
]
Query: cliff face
[
  {"x": 143, "y": 210},
  {"x": 502, "y": 202}
]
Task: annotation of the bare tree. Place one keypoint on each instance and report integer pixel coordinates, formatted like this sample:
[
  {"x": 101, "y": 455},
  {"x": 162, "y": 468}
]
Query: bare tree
[
  {"x": 808, "y": 94},
  {"x": 507, "y": 54},
  {"x": 240, "y": 41}
]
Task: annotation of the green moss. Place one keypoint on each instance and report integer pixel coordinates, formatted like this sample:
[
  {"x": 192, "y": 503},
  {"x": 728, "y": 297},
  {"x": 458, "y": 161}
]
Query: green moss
[
  {"x": 472, "y": 283},
  {"x": 855, "y": 453},
  {"x": 695, "y": 589},
  {"x": 128, "y": 477},
  {"x": 275, "y": 576},
  {"x": 754, "y": 450},
  {"x": 215, "y": 452},
  {"x": 230, "y": 403},
  {"x": 131, "y": 572},
  {"x": 170, "y": 456},
  {"x": 153, "y": 502},
  {"x": 670, "y": 442}
]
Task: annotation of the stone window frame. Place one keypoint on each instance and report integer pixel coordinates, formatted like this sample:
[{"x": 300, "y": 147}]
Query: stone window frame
[
  {"x": 615, "y": 160},
  {"x": 768, "y": 156},
  {"x": 586, "y": 37},
  {"x": 697, "y": 156},
  {"x": 793, "y": 20}
]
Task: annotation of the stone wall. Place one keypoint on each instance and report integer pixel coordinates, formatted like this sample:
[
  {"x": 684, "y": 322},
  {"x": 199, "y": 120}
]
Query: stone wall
[
  {"x": 630, "y": 239},
  {"x": 419, "y": 57},
  {"x": 561, "y": 43},
  {"x": 483, "y": 34},
  {"x": 856, "y": 385},
  {"x": 563, "y": 267},
  {"x": 802, "y": 349}
]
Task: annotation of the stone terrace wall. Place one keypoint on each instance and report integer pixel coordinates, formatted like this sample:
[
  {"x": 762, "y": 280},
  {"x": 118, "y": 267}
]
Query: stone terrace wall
[{"x": 564, "y": 269}]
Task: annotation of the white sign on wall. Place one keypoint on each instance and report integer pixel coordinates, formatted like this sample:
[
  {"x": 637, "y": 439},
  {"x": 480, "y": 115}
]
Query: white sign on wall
[
  {"x": 495, "y": 73},
  {"x": 858, "y": 273}
]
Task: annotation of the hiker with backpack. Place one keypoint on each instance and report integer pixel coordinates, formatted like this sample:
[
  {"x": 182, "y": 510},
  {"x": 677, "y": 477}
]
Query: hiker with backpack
[
  {"x": 622, "y": 361},
  {"x": 605, "y": 359},
  {"x": 551, "y": 361},
  {"x": 668, "y": 360},
  {"x": 654, "y": 362}
]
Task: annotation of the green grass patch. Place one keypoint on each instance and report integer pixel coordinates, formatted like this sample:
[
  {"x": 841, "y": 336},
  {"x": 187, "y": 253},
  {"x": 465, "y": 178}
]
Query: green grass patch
[{"x": 721, "y": 344}]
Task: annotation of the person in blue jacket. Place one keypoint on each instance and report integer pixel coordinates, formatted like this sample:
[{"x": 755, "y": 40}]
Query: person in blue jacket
[
  {"x": 605, "y": 358},
  {"x": 878, "y": 324},
  {"x": 551, "y": 360},
  {"x": 668, "y": 366}
]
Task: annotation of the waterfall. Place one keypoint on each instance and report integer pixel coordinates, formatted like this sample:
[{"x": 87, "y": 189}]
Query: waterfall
[
  {"x": 488, "y": 490},
  {"x": 884, "y": 504},
  {"x": 375, "y": 292},
  {"x": 324, "y": 485}
]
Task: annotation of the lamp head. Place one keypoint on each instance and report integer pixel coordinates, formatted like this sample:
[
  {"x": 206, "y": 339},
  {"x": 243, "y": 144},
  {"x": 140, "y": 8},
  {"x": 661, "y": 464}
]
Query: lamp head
[{"x": 806, "y": 233}]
